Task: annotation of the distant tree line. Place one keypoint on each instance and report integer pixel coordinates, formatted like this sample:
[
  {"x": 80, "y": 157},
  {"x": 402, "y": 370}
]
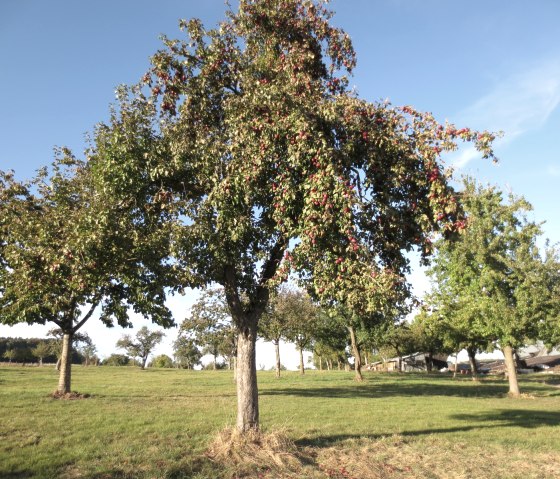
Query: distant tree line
[{"x": 34, "y": 350}]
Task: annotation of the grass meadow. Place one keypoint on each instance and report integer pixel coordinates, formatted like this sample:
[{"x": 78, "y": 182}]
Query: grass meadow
[{"x": 163, "y": 423}]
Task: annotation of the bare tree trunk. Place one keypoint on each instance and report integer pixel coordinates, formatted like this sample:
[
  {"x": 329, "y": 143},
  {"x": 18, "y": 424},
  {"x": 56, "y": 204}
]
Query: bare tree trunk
[
  {"x": 456, "y": 365},
  {"x": 247, "y": 392},
  {"x": 429, "y": 362},
  {"x": 301, "y": 364},
  {"x": 277, "y": 350},
  {"x": 356, "y": 353},
  {"x": 57, "y": 365},
  {"x": 64, "y": 378},
  {"x": 511, "y": 371},
  {"x": 474, "y": 369},
  {"x": 320, "y": 363}
]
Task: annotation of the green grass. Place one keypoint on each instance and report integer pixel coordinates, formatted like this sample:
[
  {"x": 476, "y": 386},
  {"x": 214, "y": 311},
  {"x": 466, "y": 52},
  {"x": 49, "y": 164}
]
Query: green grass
[{"x": 159, "y": 423}]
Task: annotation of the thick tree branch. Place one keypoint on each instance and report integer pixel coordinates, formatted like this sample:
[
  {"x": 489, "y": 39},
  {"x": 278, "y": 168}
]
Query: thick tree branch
[
  {"x": 86, "y": 317},
  {"x": 271, "y": 265},
  {"x": 268, "y": 271},
  {"x": 232, "y": 294},
  {"x": 57, "y": 322}
]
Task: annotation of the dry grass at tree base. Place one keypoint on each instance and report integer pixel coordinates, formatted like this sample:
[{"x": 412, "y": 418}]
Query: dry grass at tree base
[
  {"x": 69, "y": 396},
  {"x": 254, "y": 450}
]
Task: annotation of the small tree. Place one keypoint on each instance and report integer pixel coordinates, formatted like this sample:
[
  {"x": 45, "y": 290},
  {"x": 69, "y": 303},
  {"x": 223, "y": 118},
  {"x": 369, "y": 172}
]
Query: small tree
[
  {"x": 331, "y": 341},
  {"x": 42, "y": 350},
  {"x": 274, "y": 323},
  {"x": 431, "y": 335},
  {"x": 142, "y": 346},
  {"x": 210, "y": 325},
  {"x": 10, "y": 355},
  {"x": 116, "y": 360},
  {"x": 186, "y": 352},
  {"x": 300, "y": 316},
  {"x": 162, "y": 361},
  {"x": 395, "y": 339},
  {"x": 89, "y": 353}
]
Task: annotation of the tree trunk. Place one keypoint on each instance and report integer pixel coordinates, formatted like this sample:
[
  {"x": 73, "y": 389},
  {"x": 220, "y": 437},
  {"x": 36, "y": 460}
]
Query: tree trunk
[
  {"x": 511, "y": 371},
  {"x": 144, "y": 361},
  {"x": 456, "y": 365},
  {"x": 301, "y": 365},
  {"x": 277, "y": 350},
  {"x": 429, "y": 362},
  {"x": 356, "y": 353},
  {"x": 40, "y": 362},
  {"x": 64, "y": 378},
  {"x": 57, "y": 365},
  {"x": 474, "y": 369},
  {"x": 247, "y": 392},
  {"x": 320, "y": 363}
]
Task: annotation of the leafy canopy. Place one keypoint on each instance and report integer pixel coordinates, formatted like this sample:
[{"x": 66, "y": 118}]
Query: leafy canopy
[
  {"x": 142, "y": 345},
  {"x": 209, "y": 325},
  {"x": 66, "y": 248},
  {"x": 491, "y": 282},
  {"x": 246, "y": 138}
]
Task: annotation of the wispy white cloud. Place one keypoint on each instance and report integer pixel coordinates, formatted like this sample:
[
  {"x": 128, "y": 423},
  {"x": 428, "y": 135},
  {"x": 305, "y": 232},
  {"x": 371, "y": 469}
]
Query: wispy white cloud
[
  {"x": 519, "y": 103},
  {"x": 464, "y": 156}
]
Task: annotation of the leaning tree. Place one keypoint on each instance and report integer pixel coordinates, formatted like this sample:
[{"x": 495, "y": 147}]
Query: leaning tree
[
  {"x": 249, "y": 137},
  {"x": 67, "y": 249}
]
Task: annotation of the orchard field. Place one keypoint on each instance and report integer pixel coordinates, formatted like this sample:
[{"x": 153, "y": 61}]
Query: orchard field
[{"x": 170, "y": 424}]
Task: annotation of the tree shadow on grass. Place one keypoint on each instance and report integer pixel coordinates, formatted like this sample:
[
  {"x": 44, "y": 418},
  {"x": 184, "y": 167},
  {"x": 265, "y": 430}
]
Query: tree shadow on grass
[
  {"x": 412, "y": 387},
  {"x": 503, "y": 418},
  {"x": 22, "y": 474},
  {"x": 160, "y": 397}
]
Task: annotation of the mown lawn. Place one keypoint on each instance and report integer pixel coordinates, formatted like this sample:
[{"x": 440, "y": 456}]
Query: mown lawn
[{"x": 160, "y": 423}]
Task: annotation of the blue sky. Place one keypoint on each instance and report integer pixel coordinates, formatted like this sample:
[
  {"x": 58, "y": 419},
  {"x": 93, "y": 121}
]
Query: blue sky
[{"x": 487, "y": 65}]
